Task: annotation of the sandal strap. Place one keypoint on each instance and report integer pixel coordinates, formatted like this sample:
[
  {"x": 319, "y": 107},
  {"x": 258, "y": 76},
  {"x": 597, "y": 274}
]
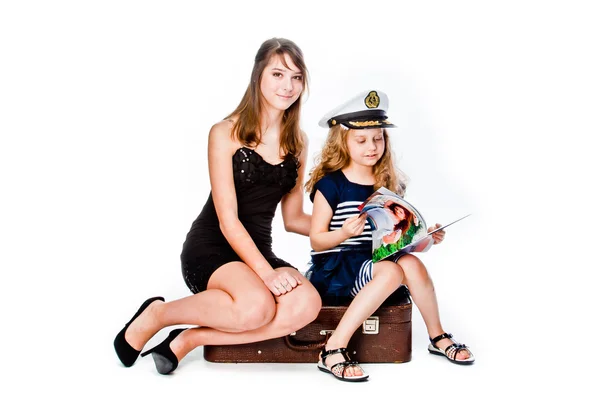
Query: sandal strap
[
  {"x": 345, "y": 364},
  {"x": 440, "y": 337},
  {"x": 327, "y": 353},
  {"x": 454, "y": 348}
]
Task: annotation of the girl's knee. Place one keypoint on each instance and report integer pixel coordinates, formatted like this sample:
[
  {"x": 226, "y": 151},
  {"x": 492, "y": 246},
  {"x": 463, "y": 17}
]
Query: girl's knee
[
  {"x": 413, "y": 267},
  {"x": 311, "y": 308},
  {"x": 389, "y": 271},
  {"x": 303, "y": 310},
  {"x": 256, "y": 312}
]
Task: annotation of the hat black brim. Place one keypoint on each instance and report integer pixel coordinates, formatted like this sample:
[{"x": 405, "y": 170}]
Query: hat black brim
[{"x": 367, "y": 124}]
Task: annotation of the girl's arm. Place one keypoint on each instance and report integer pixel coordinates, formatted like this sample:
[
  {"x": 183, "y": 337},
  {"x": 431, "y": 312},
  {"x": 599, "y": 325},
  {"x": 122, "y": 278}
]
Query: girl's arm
[
  {"x": 320, "y": 237},
  {"x": 292, "y": 205},
  {"x": 220, "y": 150}
]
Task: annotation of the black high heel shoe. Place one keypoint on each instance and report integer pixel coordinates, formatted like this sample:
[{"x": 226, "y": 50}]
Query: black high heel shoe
[
  {"x": 125, "y": 352},
  {"x": 164, "y": 358}
]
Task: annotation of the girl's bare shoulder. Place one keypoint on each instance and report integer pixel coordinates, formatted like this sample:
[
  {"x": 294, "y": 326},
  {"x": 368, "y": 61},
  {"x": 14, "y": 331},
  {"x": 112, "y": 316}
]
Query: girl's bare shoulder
[{"x": 221, "y": 133}]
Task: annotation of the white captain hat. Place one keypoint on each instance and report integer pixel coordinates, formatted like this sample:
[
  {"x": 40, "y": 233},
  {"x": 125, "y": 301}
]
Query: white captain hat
[{"x": 366, "y": 110}]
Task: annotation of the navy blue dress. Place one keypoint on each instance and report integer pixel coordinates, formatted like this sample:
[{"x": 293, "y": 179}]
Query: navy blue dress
[
  {"x": 334, "y": 272},
  {"x": 259, "y": 187}
]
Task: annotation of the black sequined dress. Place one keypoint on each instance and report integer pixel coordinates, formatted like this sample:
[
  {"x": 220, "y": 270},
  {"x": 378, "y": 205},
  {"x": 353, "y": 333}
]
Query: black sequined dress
[{"x": 259, "y": 188}]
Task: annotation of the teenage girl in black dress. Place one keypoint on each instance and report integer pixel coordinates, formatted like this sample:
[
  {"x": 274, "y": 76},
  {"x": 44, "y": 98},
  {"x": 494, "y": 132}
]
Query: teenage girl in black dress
[{"x": 242, "y": 291}]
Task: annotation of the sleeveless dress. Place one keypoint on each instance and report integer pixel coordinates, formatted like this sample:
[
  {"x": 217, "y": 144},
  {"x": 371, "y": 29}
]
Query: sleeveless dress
[
  {"x": 259, "y": 188},
  {"x": 339, "y": 273}
]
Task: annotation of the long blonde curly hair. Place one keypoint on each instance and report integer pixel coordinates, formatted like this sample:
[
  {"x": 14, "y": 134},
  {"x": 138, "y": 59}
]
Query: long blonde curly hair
[{"x": 335, "y": 156}]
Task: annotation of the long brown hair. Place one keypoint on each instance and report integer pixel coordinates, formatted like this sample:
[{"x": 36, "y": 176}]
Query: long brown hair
[
  {"x": 408, "y": 217},
  {"x": 246, "y": 129},
  {"x": 335, "y": 156}
]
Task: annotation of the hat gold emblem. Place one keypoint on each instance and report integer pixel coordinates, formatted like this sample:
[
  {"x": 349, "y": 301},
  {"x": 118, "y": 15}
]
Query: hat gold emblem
[{"x": 372, "y": 100}]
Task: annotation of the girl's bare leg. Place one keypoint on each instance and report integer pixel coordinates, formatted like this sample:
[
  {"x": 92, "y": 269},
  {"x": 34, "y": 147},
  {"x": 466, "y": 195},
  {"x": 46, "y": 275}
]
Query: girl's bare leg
[
  {"x": 422, "y": 292},
  {"x": 236, "y": 301},
  {"x": 294, "y": 310},
  {"x": 387, "y": 277}
]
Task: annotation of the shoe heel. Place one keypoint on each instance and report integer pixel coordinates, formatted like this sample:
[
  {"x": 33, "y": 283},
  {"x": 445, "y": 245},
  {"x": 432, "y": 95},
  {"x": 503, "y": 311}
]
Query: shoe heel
[
  {"x": 144, "y": 354},
  {"x": 164, "y": 358}
]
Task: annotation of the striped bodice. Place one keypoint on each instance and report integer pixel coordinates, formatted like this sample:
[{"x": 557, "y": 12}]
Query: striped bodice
[{"x": 343, "y": 211}]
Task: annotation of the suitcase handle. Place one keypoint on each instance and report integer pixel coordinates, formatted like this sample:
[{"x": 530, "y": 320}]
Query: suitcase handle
[{"x": 294, "y": 344}]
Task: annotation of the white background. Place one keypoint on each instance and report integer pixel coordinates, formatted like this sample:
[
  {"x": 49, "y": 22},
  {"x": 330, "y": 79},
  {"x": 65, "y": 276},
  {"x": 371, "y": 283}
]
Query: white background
[{"x": 105, "y": 109}]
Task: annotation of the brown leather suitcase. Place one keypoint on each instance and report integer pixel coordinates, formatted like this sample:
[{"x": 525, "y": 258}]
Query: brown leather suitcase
[{"x": 385, "y": 337}]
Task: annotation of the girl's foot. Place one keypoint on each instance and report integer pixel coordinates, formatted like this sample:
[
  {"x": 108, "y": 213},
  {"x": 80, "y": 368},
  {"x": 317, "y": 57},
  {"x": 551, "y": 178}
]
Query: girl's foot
[
  {"x": 144, "y": 326},
  {"x": 128, "y": 351},
  {"x": 338, "y": 363},
  {"x": 444, "y": 345}
]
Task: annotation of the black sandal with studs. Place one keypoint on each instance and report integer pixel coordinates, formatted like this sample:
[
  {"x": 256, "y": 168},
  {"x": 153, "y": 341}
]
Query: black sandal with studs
[
  {"x": 339, "y": 370},
  {"x": 451, "y": 351}
]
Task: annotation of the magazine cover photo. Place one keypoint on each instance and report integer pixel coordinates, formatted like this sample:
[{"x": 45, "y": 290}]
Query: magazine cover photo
[{"x": 395, "y": 223}]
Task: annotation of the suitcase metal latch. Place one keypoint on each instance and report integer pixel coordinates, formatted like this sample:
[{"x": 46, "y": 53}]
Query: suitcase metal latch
[{"x": 371, "y": 326}]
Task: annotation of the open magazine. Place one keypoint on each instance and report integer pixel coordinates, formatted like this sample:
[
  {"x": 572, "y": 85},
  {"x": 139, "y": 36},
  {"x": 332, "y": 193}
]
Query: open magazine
[{"x": 397, "y": 227}]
